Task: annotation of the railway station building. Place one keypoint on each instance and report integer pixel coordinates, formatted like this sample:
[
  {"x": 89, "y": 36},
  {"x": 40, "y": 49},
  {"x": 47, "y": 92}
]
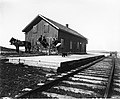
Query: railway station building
[{"x": 44, "y": 28}]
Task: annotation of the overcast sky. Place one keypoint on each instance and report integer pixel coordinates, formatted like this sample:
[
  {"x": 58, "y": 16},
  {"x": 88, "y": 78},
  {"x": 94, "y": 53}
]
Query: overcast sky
[{"x": 98, "y": 20}]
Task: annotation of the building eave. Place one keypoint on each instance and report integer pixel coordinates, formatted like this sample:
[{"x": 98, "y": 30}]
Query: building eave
[
  {"x": 48, "y": 21},
  {"x": 35, "y": 21},
  {"x": 79, "y": 35},
  {"x": 54, "y": 24}
]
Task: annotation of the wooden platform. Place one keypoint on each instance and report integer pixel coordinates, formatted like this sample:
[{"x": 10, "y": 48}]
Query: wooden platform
[{"x": 51, "y": 62}]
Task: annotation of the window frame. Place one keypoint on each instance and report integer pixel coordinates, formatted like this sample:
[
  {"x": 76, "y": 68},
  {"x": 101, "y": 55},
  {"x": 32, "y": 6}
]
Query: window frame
[
  {"x": 71, "y": 44},
  {"x": 78, "y": 46},
  {"x": 35, "y": 28},
  {"x": 62, "y": 43},
  {"x": 46, "y": 28}
]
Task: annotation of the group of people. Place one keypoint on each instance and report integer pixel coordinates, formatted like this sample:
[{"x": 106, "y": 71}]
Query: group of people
[{"x": 43, "y": 41}]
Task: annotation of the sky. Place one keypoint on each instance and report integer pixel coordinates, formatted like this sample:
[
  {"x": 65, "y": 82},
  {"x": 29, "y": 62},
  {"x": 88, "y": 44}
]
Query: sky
[{"x": 97, "y": 20}]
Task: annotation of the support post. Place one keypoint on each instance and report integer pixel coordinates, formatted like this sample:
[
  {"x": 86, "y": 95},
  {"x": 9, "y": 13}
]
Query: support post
[{"x": 49, "y": 45}]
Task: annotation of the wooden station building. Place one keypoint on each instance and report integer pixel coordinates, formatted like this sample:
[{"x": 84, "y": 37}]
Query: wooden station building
[{"x": 71, "y": 41}]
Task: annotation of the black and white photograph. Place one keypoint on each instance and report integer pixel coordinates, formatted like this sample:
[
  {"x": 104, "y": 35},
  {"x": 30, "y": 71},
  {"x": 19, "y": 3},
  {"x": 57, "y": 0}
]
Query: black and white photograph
[{"x": 64, "y": 49}]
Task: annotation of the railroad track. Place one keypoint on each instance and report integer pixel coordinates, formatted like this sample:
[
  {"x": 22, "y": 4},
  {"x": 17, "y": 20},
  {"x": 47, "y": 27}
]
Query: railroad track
[
  {"x": 91, "y": 80},
  {"x": 115, "y": 91}
]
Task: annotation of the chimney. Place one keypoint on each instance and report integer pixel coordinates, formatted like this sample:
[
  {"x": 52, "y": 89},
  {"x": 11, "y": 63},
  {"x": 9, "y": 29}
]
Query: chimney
[{"x": 67, "y": 25}]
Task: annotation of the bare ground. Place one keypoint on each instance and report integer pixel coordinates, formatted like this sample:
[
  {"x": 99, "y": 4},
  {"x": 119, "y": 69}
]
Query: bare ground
[{"x": 15, "y": 77}]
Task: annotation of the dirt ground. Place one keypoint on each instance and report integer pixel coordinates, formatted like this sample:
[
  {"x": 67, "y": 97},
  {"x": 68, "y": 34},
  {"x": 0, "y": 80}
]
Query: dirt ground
[{"x": 15, "y": 77}]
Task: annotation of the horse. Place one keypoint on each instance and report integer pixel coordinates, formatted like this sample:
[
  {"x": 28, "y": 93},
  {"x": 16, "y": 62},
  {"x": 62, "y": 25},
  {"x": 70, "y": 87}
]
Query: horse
[{"x": 18, "y": 43}]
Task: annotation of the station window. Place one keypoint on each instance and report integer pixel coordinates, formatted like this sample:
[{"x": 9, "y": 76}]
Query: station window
[
  {"x": 35, "y": 28},
  {"x": 62, "y": 43},
  {"x": 46, "y": 28},
  {"x": 70, "y": 44},
  {"x": 83, "y": 47},
  {"x": 77, "y": 45}
]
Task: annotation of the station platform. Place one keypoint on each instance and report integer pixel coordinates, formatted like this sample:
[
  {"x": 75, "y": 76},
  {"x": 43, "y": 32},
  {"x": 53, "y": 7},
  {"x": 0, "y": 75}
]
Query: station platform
[{"x": 51, "y": 61}]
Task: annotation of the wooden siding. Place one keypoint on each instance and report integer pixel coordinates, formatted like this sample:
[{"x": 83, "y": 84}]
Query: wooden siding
[
  {"x": 40, "y": 29},
  {"x": 32, "y": 36},
  {"x": 74, "y": 39}
]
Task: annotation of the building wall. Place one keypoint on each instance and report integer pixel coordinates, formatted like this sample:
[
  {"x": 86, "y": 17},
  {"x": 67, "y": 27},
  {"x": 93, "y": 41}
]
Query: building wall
[
  {"x": 42, "y": 28},
  {"x": 72, "y": 43}
]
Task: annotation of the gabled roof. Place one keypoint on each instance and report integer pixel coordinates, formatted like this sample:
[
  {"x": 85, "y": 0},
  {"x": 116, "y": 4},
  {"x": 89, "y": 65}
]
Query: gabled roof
[{"x": 56, "y": 25}]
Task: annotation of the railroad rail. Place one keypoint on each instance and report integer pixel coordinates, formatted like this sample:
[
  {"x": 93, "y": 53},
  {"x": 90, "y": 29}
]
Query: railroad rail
[
  {"x": 59, "y": 78},
  {"x": 115, "y": 89},
  {"x": 98, "y": 77},
  {"x": 110, "y": 80},
  {"x": 105, "y": 89}
]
